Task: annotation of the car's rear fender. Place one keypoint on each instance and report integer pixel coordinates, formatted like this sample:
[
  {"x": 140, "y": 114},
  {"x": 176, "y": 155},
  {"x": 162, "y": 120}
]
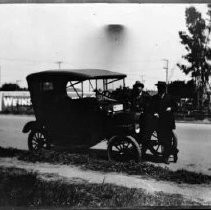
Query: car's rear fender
[{"x": 32, "y": 125}]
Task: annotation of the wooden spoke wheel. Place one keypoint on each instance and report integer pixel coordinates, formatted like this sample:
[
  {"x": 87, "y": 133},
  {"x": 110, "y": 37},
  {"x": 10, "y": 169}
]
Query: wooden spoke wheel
[
  {"x": 37, "y": 140},
  {"x": 123, "y": 148},
  {"x": 157, "y": 148}
]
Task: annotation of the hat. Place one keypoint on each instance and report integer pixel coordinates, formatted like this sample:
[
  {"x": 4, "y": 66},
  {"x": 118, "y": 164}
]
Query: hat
[
  {"x": 138, "y": 84},
  {"x": 161, "y": 84}
]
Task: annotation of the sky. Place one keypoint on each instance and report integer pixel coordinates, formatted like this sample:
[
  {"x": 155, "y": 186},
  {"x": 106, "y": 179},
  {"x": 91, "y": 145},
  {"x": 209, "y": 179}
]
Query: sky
[{"x": 34, "y": 37}]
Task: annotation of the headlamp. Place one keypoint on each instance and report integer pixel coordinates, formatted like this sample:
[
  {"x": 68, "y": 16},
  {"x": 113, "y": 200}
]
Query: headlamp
[{"x": 137, "y": 128}]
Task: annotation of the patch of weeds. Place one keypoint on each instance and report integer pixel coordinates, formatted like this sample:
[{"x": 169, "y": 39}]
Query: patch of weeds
[
  {"x": 22, "y": 188},
  {"x": 85, "y": 161},
  {"x": 12, "y": 183},
  {"x": 11, "y": 152}
]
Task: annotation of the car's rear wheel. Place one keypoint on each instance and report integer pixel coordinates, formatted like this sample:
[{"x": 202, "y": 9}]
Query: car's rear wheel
[
  {"x": 157, "y": 147},
  {"x": 124, "y": 148},
  {"x": 38, "y": 140}
]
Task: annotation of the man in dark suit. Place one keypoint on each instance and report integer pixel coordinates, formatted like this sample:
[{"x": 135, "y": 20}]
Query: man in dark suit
[
  {"x": 140, "y": 98},
  {"x": 140, "y": 102},
  {"x": 162, "y": 107}
]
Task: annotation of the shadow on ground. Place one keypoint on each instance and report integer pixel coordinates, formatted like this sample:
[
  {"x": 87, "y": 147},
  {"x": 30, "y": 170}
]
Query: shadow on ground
[{"x": 101, "y": 154}]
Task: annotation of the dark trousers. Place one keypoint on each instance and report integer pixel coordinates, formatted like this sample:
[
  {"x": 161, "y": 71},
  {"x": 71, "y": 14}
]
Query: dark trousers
[
  {"x": 165, "y": 138},
  {"x": 148, "y": 125}
]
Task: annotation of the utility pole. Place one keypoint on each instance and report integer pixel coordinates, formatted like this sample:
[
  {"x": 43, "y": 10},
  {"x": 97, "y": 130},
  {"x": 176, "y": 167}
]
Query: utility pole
[
  {"x": 59, "y": 63},
  {"x": 166, "y": 68},
  {"x": 0, "y": 76},
  {"x": 142, "y": 78}
]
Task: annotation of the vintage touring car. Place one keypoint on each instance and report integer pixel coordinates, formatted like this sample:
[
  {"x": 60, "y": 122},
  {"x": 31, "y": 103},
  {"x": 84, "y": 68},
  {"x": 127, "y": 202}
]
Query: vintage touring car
[{"x": 85, "y": 118}]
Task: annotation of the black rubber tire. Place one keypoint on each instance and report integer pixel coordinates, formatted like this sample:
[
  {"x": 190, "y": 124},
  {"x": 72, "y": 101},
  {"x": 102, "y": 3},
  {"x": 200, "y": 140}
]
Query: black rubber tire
[
  {"x": 174, "y": 146},
  {"x": 174, "y": 140},
  {"x": 37, "y": 140},
  {"x": 157, "y": 149},
  {"x": 127, "y": 153}
]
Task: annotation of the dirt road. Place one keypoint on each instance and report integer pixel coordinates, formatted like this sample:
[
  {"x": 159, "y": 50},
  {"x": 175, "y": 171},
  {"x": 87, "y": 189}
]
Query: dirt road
[{"x": 198, "y": 193}]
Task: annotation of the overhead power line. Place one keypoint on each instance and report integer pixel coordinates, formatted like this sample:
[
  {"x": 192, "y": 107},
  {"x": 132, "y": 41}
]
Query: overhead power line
[
  {"x": 30, "y": 60},
  {"x": 27, "y": 60}
]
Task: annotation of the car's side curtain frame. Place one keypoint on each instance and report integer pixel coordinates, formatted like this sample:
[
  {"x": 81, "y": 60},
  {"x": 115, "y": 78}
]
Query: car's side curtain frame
[
  {"x": 72, "y": 85},
  {"x": 115, "y": 80},
  {"x": 106, "y": 83}
]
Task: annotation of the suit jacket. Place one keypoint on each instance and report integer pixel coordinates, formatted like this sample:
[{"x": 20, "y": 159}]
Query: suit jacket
[
  {"x": 159, "y": 105},
  {"x": 140, "y": 103}
]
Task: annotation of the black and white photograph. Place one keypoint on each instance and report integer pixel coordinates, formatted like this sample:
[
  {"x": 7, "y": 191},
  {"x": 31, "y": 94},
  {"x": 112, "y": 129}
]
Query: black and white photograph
[{"x": 105, "y": 105}]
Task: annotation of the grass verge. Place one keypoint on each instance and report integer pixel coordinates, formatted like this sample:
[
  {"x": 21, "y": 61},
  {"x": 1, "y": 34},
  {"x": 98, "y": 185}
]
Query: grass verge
[
  {"x": 86, "y": 161},
  {"x": 22, "y": 188}
]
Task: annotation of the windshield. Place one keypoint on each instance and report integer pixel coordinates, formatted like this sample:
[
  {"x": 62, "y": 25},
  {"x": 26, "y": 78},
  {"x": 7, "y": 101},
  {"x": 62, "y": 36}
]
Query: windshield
[{"x": 102, "y": 89}]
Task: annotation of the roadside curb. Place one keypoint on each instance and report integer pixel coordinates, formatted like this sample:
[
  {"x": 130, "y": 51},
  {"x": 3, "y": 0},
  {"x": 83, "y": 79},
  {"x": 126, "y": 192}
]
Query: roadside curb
[{"x": 194, "y": 122}]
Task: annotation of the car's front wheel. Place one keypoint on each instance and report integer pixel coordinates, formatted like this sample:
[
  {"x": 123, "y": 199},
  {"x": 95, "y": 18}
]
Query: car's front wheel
[
  {"x": 38, "y": 140},
  {"x": 124, "y": 148}
]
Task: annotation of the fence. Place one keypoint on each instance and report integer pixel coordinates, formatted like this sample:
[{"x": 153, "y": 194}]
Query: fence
[{"x": 193, "y": 115}]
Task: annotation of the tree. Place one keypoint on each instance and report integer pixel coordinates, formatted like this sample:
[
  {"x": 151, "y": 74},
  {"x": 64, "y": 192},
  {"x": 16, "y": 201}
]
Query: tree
[
  {"x": 196, "y": 42},
  {"x": 10, "y": 87},
  {"x": 180, "y": 89}
]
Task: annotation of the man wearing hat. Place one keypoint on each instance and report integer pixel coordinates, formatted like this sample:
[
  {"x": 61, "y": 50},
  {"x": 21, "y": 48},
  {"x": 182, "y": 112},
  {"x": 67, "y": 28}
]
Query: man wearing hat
[
  {"x": 163, "y": 107},
  {"x": 140, "y": 98},
  {"x": 140, "y": 103}
]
